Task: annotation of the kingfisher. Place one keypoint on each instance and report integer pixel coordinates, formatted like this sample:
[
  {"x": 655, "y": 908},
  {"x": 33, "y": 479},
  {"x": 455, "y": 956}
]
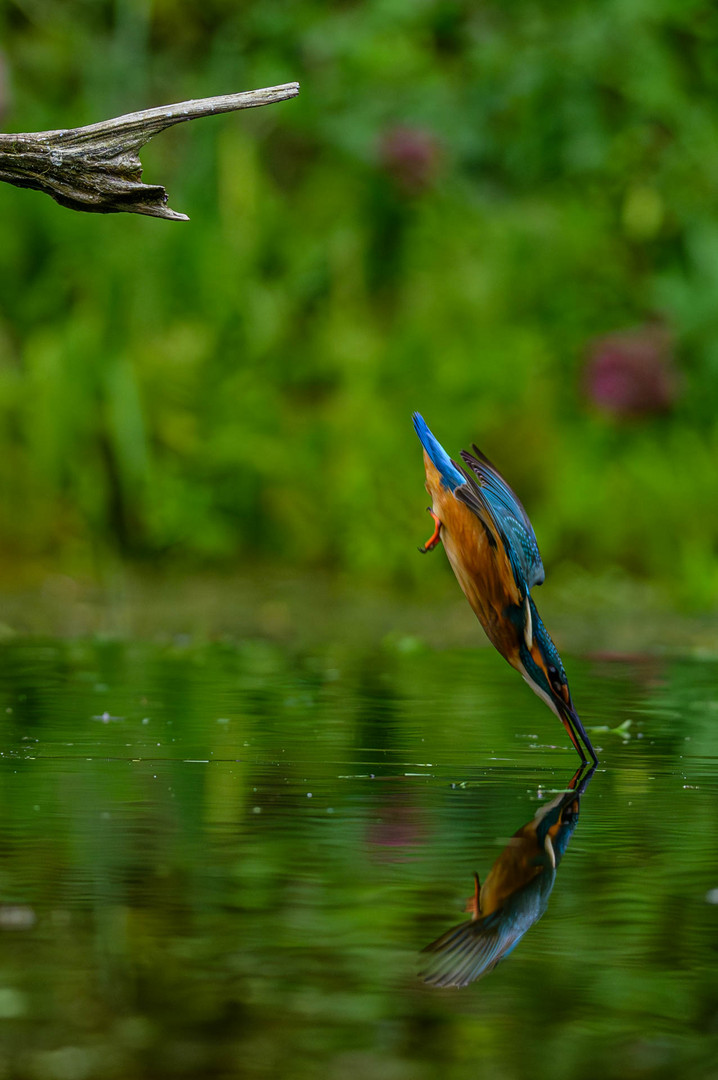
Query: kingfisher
[
  {"x": 493, "y": 552},
  {"x": 514, "y": 895}
]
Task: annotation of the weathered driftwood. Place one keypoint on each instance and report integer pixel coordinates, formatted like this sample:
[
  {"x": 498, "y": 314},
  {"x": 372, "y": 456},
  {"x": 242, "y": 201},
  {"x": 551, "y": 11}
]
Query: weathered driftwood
[{"x": 97, "y": 168}]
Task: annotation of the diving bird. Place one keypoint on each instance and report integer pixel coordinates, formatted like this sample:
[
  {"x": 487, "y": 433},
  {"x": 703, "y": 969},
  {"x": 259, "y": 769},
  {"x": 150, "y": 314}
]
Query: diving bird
[
  {"x": 514, "y": 895},
  {"x": 491, "y": 546}
]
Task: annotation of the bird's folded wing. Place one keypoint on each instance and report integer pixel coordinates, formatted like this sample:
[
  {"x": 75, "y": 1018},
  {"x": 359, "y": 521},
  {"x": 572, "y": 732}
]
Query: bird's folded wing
[{"x": 507, "y": 512}]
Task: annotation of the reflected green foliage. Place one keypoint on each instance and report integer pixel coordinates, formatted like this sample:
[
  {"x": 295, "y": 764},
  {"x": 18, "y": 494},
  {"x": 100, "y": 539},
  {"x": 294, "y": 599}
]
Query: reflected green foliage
[
  {"x": 174, "y": 903},
  {"x": 462, "y": 199}
]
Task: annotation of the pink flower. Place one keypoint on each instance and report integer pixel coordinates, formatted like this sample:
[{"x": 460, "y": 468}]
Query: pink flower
[
  {"x": 411, "y": 156},
  {"x": 632, "y": 373}
]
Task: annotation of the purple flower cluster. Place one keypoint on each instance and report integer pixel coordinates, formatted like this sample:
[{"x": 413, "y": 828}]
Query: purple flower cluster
[
  {"x": 411, "y": 156},
  {"x": 632, "y": 373}
]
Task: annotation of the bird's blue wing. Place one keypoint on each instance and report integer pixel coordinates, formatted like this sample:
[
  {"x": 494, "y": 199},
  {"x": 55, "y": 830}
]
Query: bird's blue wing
[
  {"x": 509, "y": 516},
  {"x": 473, "y": 495},
  {"x": 470, "y": 950},
  {"x": 451, "y": 476}
]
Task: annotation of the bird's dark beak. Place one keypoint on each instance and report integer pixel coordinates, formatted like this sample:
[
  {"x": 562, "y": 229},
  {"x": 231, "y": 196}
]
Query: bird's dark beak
[{"x": 576, "y": 731}]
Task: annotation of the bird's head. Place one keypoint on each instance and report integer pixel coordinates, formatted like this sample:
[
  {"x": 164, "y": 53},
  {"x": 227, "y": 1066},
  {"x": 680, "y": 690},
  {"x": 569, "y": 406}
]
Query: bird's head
[{"x": 544, "y": 672}]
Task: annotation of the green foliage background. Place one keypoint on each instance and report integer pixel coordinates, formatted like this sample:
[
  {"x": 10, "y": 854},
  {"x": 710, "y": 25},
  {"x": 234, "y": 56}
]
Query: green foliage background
[{"x": 239, "y": 388}]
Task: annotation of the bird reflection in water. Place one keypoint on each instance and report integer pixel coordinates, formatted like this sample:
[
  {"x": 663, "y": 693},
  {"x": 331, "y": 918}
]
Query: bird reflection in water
[{"x": 513, "y": 897}]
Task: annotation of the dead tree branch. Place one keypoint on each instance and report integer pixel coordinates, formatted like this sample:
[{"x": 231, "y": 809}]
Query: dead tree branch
[{"x": 97, "y": 168}]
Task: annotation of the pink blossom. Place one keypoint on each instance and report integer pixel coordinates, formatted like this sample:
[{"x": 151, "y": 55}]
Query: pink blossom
[
  {"x": 411, "y": 156},
  {"x": 632, "y": 373}
]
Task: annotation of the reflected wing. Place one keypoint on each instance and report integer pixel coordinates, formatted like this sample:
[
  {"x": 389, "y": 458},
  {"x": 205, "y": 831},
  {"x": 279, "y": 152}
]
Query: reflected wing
[
  {"x": 468, "y": 951},
  {"x": 495, "y": 498}
]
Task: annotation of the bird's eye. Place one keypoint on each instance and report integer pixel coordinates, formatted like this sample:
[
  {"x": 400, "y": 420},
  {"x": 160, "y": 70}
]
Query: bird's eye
[{"x": 555, "y": 679}]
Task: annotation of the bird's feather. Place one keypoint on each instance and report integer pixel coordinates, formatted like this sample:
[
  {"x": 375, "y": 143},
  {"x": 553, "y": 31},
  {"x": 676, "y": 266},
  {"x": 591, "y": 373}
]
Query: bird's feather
[
  {"x": 473, "y": 496},
  {"x": 468, "y": 951},
  {"x": 508, "y": 514}
]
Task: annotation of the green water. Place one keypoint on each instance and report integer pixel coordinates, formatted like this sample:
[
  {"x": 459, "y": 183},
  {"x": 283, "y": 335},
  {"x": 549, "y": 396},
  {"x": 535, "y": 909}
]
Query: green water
[{"x": 224, "y": 861}]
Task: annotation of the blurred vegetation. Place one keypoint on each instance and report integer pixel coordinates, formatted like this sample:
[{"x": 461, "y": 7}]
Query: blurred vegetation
[{"x": 463, "y": 208}]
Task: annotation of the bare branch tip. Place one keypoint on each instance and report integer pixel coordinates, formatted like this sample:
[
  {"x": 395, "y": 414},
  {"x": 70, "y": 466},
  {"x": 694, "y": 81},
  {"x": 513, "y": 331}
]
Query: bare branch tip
[{"x": 97, "y": 168}]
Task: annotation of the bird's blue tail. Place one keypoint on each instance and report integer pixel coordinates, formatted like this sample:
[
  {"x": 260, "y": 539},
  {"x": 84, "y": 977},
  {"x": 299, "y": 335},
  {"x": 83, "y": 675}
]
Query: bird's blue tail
[{"x": 450, "y": 475}]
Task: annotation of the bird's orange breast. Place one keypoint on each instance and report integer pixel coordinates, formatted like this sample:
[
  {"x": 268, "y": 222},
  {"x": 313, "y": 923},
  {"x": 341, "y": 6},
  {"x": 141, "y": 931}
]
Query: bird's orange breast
[
  {"x": 481, "y": 566},
  {"x": 517, "y": 864}
]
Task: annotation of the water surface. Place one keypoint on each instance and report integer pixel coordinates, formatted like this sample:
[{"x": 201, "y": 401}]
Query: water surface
[{"x": 225, "y": 861}]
